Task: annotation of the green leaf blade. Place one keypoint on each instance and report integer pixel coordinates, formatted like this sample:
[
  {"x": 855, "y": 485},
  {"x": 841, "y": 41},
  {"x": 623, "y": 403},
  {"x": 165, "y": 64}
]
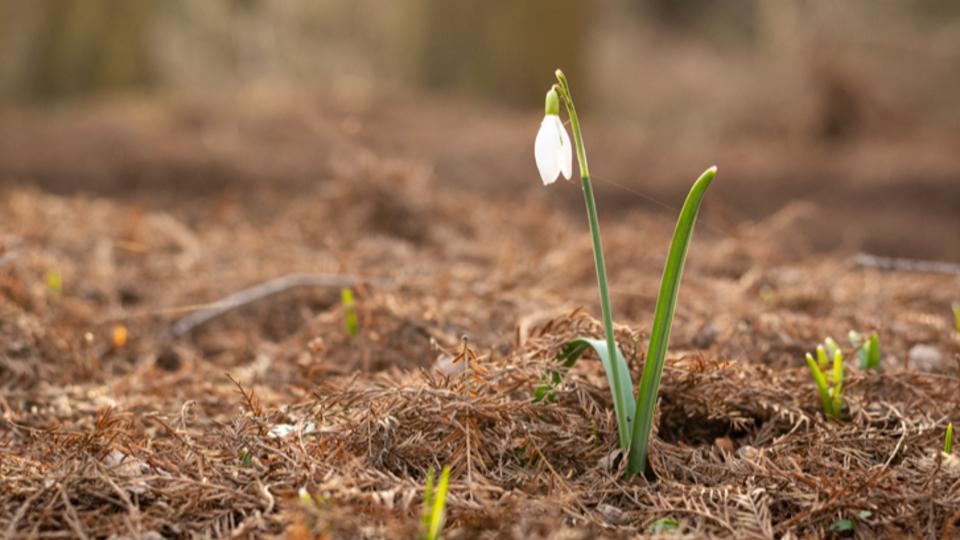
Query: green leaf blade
[
  {"x": 948, "y": 440},
  {"x": 663, "y": 322},
  {"x": 439, "y": 505},
  {"x": 873, "y": 352},
  {"x": 822, "y": 388},
  {"x": 623, "y": 400}
]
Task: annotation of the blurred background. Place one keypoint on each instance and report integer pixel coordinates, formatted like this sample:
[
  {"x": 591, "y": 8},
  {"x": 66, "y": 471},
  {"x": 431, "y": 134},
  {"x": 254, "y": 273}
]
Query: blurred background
[{"x": 841, "y": 118}]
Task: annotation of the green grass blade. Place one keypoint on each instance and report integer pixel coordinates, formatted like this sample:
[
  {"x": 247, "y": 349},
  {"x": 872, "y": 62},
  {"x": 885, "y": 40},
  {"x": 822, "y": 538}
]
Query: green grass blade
[
  {"x": 822, "y": 359},
  {"x": 948, "y": 440},
  {"x": 427, "y": 501},
  {"x": 822, "y": 387},
  {"x": 350, "y": 312},
  {"x": 663, "y": 321},
  {"x": 873, "y": 352},
  {"x": 838, "y": 372},
  {"x": 439, "y": 504},
  {"x": 623, "y": 400}
]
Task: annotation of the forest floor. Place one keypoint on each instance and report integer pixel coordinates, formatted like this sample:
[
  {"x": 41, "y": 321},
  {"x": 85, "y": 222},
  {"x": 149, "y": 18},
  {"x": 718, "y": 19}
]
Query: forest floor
[{"x": 134, "y": 402}]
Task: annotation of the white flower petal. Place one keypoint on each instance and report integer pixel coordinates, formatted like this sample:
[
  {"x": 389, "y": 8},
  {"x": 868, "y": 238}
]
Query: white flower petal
[
  {"x": 565, "y": 155},
  {"x": 546, "y": 149}
]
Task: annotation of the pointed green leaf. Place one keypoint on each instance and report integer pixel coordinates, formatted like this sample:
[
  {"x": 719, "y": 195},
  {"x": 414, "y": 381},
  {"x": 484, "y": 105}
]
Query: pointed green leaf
[
  {"x": 427, "y": 500},
  {"x": 873, "y": 352},
  {"x": 663, "y": 322},
  {"x": 822, "y": 387},
  {"x": 623, "y": 400},
  {"x": 838, "y": 371},
  {"x": 948, "y": 440},
  {"x": 439, "y": 504},
  {"x": 822, "y": 358}
]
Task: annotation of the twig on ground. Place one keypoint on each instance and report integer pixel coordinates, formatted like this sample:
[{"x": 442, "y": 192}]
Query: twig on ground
[
  {"x": 257, "y": 292},
  {"x": 906, "y": 265}
]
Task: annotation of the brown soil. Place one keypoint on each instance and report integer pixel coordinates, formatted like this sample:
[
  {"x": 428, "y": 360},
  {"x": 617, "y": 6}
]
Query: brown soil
[{"x": 458, "y": 258}]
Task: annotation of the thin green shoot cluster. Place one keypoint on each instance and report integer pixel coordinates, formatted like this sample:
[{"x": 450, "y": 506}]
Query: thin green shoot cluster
[
  {"x": 434, "y": 503},
  {"x": 349, "y": 312},
  {"x": 634, "y": 415},
  {"x": 948, "y": 440},
  {"x": 829, "y": 386},
  {"x": 868, "y": 350}
]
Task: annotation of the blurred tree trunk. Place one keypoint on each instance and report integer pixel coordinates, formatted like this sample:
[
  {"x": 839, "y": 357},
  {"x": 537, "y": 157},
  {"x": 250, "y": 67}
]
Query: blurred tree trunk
[
  {"x": 501, "y": 49},
  {"x": 84, "y": 46}
]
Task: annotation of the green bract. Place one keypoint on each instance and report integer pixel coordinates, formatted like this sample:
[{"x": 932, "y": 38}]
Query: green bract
[{"x": 552, "y": 104}]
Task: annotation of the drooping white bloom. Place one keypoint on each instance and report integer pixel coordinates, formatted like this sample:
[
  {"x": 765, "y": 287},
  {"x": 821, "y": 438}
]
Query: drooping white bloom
[{"x": 552, "y": 149}]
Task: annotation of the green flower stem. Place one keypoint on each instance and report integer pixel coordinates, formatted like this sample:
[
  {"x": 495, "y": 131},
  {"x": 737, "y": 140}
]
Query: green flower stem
[{"x": 623, "y": 423}]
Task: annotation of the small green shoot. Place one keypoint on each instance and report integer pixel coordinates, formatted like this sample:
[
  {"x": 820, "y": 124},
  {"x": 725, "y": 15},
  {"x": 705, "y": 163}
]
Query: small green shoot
[
  {"x": 956, "y": 315},
  {"x": 842, "y": 526},
  {"x": 349, "y": 312},
  {"x": 831, "y": 392},
  {"x": 822, "y": 359},
  {"x": 245, "y": 457},
  {"x": 948, "y": 440},
  {"x": 434, "y": 503},
  {"x": 868, "y": 351},
  {"x": 54, "y": 282},
  {"x": 664, "y": 526},
  {"x": 848, "y": 525}
]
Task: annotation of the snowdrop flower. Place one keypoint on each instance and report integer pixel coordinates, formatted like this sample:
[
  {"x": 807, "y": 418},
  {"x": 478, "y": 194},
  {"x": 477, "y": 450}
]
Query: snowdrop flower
[{"x": 552, "y": 149}]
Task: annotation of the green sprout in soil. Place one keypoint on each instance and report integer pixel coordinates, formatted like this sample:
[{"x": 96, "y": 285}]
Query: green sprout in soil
[
  {"x": 956, "y": 315},
  {"x": 316, "y": 506},
  {"x": 848, "y": 525},
  {"x": 831, "y": 391},
  {"x": 948, "y": 440},
  {"x": 553, "y": 152},
  {"x": 868, "y": 351},
  {"x": 434, "y": 502},
  {"x": 664, "y": 526},
  {"x": 54, "y": 282},
  {"x": 349, "y": 312}
]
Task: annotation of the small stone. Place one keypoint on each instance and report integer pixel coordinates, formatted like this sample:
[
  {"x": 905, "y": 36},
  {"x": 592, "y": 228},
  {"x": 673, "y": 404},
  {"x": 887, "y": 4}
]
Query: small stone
[
  {"x": 706, "y": 336},
  {"x": 611, "y": 514},
  {"x": 446, "y": 365},
  {"x": 925, "y": 357},
  {"x": 168, "y": 360},
  {"x": 748, "y": 452},
  {"x": 724, "y": 444}
]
